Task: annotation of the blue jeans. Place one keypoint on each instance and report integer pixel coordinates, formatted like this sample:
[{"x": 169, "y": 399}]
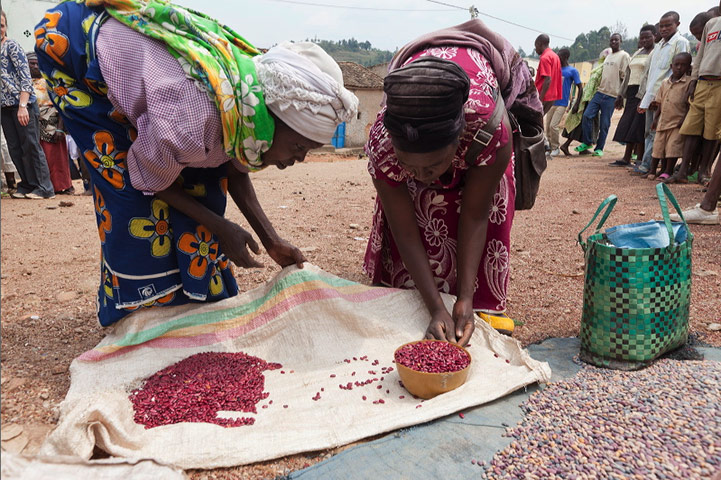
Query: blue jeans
[
  {"x": 648, "y": 143},
  {"x": 605, "y": 104}
]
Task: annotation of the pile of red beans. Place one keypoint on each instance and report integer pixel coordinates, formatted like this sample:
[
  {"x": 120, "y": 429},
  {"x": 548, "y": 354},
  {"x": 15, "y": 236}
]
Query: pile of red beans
[
  {"x": 198, "y": 387},
  {"x": 432, "y": 357}
]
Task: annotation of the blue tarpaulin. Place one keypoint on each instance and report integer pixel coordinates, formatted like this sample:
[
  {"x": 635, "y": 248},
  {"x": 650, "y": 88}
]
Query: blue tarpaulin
[{"x": 444, "y": 448}]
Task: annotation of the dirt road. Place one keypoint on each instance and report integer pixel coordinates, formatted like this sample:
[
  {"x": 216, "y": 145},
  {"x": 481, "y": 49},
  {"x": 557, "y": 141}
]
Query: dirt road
[{"x": 50, "y": 267}]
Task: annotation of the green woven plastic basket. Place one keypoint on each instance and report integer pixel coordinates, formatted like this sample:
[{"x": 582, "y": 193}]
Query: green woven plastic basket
[{"x": 635, "y": 300}]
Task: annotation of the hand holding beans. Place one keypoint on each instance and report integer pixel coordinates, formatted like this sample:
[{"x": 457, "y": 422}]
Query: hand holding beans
[
  {"x": 457, "y": 328},
  {"x": 441, "y": 326},
  {"x": 464, "y": 320}
]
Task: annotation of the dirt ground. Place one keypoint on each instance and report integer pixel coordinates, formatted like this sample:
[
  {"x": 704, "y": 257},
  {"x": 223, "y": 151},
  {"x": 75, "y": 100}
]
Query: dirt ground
[{"x": 50, "y": 271}]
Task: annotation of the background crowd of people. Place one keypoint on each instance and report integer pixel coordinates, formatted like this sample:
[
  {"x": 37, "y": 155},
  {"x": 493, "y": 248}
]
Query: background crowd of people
[
  {"x": 671, "y": 105},
  {"x": 34, "y": 144}
]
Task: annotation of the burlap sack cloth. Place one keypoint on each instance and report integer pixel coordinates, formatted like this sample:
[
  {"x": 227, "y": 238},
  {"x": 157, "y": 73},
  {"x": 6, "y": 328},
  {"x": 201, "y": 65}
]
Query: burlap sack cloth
[
  {"x": 305, "y": 319},
  {"x": 18, "y": 467}
]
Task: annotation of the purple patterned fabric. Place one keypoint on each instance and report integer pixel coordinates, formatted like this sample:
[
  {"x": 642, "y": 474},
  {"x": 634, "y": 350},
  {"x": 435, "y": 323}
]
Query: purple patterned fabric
[
  {"x": 514, "y": 78},
  {"x": 178, "y": 125},
  {"x": 438, "y": 206}
]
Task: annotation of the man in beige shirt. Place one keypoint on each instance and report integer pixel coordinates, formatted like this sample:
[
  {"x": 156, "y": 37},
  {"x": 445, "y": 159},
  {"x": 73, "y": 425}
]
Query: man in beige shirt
[{"x": 614, "y": 70}]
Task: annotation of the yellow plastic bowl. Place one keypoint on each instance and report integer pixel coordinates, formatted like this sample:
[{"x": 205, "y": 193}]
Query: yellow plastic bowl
[{"x": 428, "y": 385}]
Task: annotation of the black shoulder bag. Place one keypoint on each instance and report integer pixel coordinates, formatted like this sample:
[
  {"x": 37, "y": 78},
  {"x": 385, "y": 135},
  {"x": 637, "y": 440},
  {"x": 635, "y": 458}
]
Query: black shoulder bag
[{"x": 528, "y": 150}]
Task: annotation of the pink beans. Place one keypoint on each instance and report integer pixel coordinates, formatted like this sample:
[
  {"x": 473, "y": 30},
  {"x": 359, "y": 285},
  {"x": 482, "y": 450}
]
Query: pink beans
[
  {"x": 432, "y": 357},
  {"x": 196, "y": 388}
]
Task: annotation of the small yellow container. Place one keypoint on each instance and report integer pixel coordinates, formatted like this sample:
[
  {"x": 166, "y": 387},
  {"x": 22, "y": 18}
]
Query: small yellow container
[{"x": 428, "y": 385}]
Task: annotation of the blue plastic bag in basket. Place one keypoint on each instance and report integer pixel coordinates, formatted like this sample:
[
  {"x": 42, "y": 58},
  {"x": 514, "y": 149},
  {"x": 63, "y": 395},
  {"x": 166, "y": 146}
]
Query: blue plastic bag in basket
[{"x": 645, "y": 235}]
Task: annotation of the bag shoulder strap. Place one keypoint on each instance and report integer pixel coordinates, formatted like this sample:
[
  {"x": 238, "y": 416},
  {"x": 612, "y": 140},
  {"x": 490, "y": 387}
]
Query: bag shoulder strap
[
  {"x": 608, "y": 204},
  {"x": 484, "y": 135},
  {"x": 664, "y": 195}
]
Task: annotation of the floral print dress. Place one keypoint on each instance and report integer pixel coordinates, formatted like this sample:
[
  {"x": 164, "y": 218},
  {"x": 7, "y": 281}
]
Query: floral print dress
[
  {"x": 150, "y": 253},
  {"x": 438, "y": 206}
]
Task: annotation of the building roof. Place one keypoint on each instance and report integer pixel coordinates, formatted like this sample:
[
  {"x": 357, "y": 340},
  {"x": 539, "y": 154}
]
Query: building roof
[{"x": 358, "y": 76}]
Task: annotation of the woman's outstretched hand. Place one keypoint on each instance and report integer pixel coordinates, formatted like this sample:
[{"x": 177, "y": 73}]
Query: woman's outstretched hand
[
  {"x": 441, "y": 327},
  {"x": 464, "y": 320},
  {"x": 456, "y": 328},
  {"x": 285, "y": 253},
  {"x": 235, "y": 242}
]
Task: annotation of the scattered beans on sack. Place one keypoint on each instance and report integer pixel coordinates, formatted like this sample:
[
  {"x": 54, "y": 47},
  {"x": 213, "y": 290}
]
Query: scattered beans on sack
[
  {"x": 196, "y": 388},
  {"x": 662, "y": 422},
  {"x": 432, "y": 357}
]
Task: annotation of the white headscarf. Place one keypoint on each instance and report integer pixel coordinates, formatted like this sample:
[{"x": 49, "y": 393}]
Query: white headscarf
[{"x": 303, "y": 86}]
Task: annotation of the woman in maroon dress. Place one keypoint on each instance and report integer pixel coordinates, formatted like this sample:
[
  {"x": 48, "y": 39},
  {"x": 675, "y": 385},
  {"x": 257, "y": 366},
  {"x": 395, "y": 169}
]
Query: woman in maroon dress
[{"x": 442, "y": 223}]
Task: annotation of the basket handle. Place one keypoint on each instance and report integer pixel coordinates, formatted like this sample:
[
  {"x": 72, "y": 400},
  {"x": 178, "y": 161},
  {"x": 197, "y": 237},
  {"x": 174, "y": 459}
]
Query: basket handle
[
  {"x": 609, "y": 203},
  {"x": 664, "y": 195}
]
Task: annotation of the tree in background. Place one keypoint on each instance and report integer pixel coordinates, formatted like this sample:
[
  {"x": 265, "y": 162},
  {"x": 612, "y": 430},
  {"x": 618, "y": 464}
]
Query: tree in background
[
  {"x": 351, "y": 50},
  {"x": 620, "y": 28},
  {"x": 693, "y": 42},
  {"x": 589, "y": 45}
]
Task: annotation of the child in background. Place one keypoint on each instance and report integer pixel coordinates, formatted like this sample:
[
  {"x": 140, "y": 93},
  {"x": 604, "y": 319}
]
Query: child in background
[
  {"x": 671, "y": 107},
  {"x": 702, "y": 127}
]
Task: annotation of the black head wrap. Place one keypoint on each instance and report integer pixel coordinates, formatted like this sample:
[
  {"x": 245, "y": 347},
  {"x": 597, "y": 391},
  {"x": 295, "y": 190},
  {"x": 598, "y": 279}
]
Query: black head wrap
[{"x": 424, "y": 104}]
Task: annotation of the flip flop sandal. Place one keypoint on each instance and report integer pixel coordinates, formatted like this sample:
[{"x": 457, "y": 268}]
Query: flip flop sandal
[
  {"x": 582, "y": 148},
  {"x": 499, "y": 321},
  {"x": 674, "y": 179},
  {"x": 663, "y": 176}
]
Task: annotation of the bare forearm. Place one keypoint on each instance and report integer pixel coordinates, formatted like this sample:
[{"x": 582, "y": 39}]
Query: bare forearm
[
  {"x": 624, "y": 85},
  {"x": 471, "y": 238},
  {"x": 241, "y": 190},
  {"x": 579, "y": 96},
  {"x": 544, "y": 88},
  {"x": 401, "y": 217},
  {"x": 24, "y": 97},
  {"x": 177, "y": 198},
  {"x": 415, "y": 259},
  {"x": 480, "y": 187}
]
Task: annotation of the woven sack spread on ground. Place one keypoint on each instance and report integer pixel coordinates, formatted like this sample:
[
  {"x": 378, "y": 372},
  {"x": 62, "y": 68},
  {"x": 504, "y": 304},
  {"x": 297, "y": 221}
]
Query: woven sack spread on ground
[
  {"x": 309, "y": 321},
  {"x": 58, "y": 467},
  {"x": 635, "y": 300}
]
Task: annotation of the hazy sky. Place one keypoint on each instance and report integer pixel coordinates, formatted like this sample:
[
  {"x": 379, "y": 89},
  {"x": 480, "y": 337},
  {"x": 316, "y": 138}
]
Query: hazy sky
[{"x": 267, "y": 22}]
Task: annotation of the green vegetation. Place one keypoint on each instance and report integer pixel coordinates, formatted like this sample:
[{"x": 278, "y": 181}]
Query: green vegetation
[
  {"x": 352, "y": 50},
  {"x": 588, "y": 46}
]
